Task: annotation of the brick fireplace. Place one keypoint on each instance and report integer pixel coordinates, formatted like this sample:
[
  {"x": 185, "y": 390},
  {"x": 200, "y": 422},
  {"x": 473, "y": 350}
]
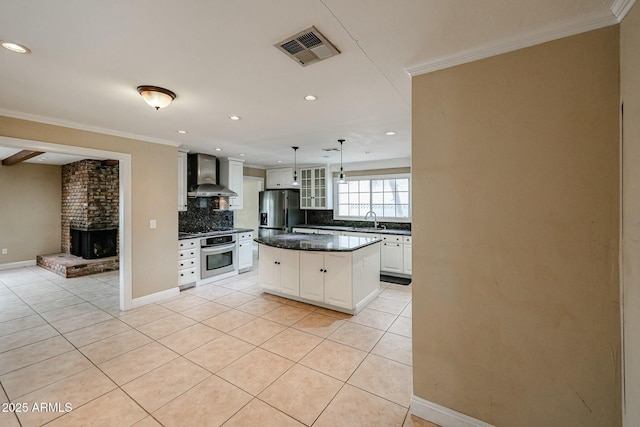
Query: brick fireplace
[{"x": 90, "y": 216}]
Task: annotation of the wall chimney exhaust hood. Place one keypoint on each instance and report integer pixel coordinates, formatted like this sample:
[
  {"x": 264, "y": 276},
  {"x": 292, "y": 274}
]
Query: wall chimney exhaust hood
[{"x": 202, "y": 177}]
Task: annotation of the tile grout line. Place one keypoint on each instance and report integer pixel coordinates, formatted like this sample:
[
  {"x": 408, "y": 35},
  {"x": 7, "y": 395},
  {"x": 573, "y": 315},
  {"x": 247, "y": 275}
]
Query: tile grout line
[{"x": 237, "y": 308}]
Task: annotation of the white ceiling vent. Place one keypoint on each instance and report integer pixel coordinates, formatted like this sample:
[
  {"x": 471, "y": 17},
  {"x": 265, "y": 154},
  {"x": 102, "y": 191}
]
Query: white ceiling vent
[{"x": 307, "y": 47}]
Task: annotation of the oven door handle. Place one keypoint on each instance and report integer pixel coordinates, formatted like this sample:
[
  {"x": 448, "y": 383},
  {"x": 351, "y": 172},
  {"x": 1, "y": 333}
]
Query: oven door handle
[{"x": 210, "y": 249}]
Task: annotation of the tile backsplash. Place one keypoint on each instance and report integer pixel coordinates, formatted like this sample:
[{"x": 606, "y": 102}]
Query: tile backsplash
[
  {"x": 325, "y": 217},
  {"x": 203, "y": 214}
]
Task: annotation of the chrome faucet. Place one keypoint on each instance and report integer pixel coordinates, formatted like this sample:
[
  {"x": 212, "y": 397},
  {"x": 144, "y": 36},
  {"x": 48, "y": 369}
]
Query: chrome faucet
[{"x": 375, "y": 218}]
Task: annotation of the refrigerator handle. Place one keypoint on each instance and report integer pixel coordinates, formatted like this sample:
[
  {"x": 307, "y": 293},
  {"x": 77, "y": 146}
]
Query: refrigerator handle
[
  {"x": 286, "y": 210},
  {"x": 286, "y": 217}
]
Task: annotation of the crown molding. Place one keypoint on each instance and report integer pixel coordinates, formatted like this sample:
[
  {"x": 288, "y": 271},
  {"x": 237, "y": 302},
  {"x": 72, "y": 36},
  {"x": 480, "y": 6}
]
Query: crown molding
[
  {"x": 620, "y": 8},
  {"x": 78, "y": 126},
  {"x": 568, "y": 28}
]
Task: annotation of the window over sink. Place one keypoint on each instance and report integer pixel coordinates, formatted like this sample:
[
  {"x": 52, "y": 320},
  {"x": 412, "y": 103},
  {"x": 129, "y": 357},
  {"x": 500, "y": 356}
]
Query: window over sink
[{"x": 388, "y": 196}]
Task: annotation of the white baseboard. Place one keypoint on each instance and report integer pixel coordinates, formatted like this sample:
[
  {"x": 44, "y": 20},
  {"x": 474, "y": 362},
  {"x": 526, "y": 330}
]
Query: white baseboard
[
  {"x": 158, "y": 296},
  {"x": 442, "y": 415},
  {"x": 19, "y": 264}
]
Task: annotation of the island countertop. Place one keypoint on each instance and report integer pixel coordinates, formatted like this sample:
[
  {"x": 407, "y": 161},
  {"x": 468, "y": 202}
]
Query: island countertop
[{"x": 317, "y": 242}]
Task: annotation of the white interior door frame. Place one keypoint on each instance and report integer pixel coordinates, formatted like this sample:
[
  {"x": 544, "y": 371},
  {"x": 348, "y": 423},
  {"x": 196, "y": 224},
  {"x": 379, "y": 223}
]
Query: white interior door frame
[{"x": 124, "y": 228}]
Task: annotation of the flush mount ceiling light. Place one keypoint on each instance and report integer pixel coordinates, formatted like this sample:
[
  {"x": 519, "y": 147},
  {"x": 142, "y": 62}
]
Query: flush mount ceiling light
[
  {"x": 235, "y": 117},
  {"x": 310, "y": 98},
  {"x": 342, "y": 178},
  {"x": 218, "y": 149},
  {"x": 156, "y": 96},
  {"x": 14, "y": 47},
  {"x": 295, "y": 166},
  {"x": 390, "y": 133},
  {"x": 182, "y": 131}
]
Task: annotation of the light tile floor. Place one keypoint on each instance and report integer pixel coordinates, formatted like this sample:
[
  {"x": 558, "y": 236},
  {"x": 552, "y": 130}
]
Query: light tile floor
[{"x": 222, "y": 354}]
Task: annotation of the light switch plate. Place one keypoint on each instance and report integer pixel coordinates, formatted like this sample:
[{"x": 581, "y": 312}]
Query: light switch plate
[{"x": 152, "y": 224}]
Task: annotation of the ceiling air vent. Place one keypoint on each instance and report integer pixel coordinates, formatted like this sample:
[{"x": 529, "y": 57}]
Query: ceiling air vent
[{"x": 307, "y": 47}]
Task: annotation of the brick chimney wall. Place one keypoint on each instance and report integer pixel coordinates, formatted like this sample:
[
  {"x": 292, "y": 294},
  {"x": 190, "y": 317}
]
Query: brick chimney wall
[{"x": 90, "y": 198}]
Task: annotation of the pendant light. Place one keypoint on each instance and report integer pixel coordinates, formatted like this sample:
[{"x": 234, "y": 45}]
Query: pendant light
[
  {"x": 342, "y": 178},
  {"x": 295, "y": 166}
]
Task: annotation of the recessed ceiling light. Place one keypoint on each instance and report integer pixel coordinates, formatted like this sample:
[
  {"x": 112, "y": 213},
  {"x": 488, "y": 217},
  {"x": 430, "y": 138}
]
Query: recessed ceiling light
[
  {"x": 42, "y": 159},
  {"x": 218, "y": 149},
  {"x": 242, "y": 154},
  {"x": 15, "y": 47},
  {"x": 310, "y": 98},
  {"x": 390, "y": 133},
  {"x": 279, "y": 161},
  {"x": 234, "y": 117},
  {"x": 182, "y": 131}
]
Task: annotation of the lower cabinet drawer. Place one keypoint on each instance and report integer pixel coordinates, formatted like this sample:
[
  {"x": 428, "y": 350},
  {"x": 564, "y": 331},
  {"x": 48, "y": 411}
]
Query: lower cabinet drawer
[
  {"x": 188, "y": 275},
  {"x": 187, "y": 253},
  {"x": 186, "y": 263}
]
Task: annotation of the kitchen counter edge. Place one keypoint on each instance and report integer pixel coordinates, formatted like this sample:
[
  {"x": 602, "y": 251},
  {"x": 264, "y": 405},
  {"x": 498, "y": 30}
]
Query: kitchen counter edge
[
  {"x": 355, "y": 229},
  {"x": 184, "y": 236},
  {"x": 281, "y": 241}
]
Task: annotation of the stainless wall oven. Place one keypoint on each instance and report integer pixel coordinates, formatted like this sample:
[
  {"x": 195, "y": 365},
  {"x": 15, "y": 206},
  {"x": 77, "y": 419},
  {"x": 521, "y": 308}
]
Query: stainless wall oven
[{"x": 218, "y": 255}]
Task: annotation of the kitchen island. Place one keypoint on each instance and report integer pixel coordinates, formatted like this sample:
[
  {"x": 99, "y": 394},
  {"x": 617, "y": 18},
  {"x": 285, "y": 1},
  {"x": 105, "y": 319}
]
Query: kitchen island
[{"x": 340, "y": 273}]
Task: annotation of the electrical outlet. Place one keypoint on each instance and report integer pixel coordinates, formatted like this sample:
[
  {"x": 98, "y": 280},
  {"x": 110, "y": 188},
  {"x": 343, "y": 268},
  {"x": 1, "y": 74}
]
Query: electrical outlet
[{"x": 5, "y": 251}]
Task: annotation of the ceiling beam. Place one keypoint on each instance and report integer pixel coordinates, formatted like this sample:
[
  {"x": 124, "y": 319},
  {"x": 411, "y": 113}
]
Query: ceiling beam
[{"x": 20, "y": 156}]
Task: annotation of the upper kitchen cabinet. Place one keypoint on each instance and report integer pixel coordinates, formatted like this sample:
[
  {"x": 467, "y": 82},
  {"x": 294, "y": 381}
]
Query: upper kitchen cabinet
[
  {"x": 279, "y": 178},
  {"x": 182, "y": 180},
  {"x": 231, "y": 176},
  {"x": 316, "y": 188}
]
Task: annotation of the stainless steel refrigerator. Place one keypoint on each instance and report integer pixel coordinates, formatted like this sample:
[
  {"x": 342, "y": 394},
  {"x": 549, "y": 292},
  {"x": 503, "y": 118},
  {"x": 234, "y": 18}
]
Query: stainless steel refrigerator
[{"x": 279, "y": 211}]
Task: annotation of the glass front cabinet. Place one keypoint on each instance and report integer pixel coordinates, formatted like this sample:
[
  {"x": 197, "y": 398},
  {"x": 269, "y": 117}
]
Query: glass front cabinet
[{"x": 316, "y": 188}]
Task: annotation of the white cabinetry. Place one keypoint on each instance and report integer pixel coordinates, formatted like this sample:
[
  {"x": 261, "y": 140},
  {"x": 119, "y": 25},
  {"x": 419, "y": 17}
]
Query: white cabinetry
[
  {"x": 326, "y": 277},
  {"x": 231, "y": 175},
  {"x": 395, "y": 250},
  {"x": 392, "y": 254},
  {"x": 182, "y": 180},
  {"x": 279, "y": 178},
  {"x": 340, "y": 280},
  {"x": 312, "y": 275},
  {"x": 279, "y": 270},
  {"x": 245, "y": 251},
  {"x": 407, "y": 254},
  {"x": 187, "y": 261},
  {"x": 316, "y": 188}
]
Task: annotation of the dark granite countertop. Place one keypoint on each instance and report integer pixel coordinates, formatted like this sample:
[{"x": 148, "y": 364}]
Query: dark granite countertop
[
  {"x": 182, "y": 235},
  {"x": 317, "y": 242},
  {"x": 356, "y": 229}
]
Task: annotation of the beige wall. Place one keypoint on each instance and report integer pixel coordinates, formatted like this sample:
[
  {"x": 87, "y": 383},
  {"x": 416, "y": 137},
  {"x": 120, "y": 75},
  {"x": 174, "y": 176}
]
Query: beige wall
[
  {"x": 247, "y": 217},
  {"x": 30, "y": 210},
  {"x": 630, "y": 95},
  {"x": 516, "y": 316},
  {"x": 154, "y": 191},
  {"x": 255, "y": 172},
  {"x": 375, "y": 172}
]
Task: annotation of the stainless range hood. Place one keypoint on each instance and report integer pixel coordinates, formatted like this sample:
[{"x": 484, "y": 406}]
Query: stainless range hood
[{"x": 202, "y": 177}]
